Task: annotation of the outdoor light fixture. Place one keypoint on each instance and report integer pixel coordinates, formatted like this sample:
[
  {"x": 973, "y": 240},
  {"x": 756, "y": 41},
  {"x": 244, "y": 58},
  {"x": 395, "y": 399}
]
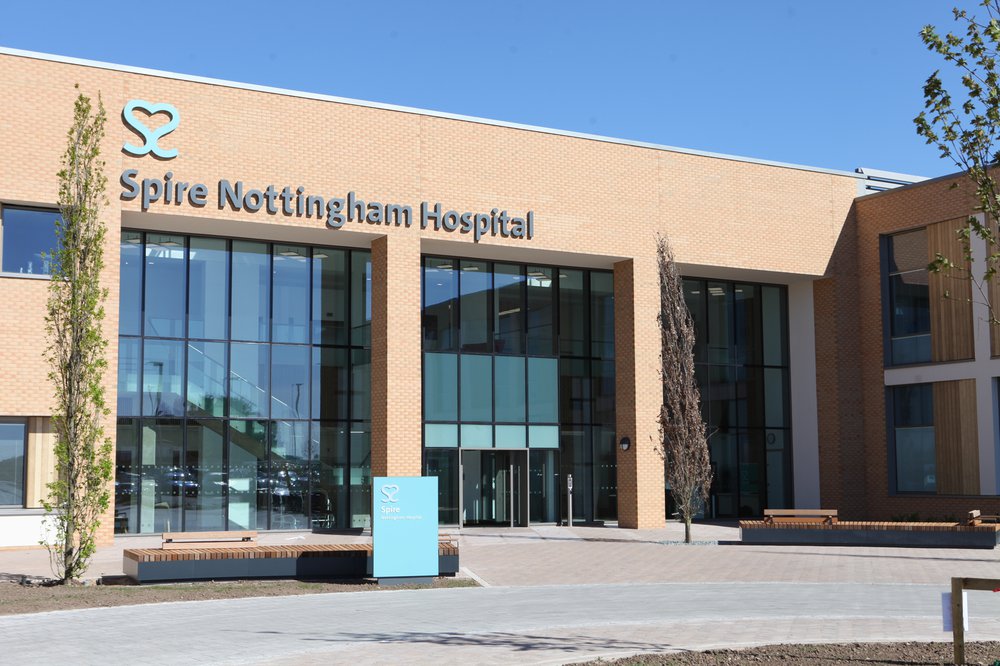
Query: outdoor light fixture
[{"x": 625, "y": 443}]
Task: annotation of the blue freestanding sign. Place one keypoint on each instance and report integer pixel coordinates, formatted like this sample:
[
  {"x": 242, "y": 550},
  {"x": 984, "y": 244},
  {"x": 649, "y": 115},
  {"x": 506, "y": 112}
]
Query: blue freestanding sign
[{"x": 405, "y": 526}]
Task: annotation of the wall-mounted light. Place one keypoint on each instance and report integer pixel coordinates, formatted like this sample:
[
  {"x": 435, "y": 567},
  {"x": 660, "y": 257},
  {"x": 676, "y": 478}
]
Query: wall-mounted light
[{"x": 625, "y": 443}]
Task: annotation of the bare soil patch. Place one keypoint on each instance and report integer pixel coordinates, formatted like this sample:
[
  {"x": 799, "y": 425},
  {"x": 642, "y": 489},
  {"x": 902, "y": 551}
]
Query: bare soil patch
[
  {"x": 846, "y": 654},
  {"x": 16, "y": 598}
]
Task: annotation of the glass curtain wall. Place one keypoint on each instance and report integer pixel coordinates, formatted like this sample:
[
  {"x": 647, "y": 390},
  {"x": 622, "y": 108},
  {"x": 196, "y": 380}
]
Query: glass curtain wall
[
  {"x": 741, "y": 363},
  {"x": 521, "y": 357},
  {"x": 243, "y": 385}
]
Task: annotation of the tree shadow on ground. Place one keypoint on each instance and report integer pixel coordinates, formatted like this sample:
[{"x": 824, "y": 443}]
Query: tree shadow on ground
[{"x": 504, "y": 640}]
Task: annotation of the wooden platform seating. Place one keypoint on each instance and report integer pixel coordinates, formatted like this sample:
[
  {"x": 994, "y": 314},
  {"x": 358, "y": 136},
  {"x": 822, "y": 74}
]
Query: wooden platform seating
[
  {"x": 198, "y": 556},
  {"x": 824, "y": 516},
  {"x": 977, "y": 518},
  {"x": 821, "y": 527}
]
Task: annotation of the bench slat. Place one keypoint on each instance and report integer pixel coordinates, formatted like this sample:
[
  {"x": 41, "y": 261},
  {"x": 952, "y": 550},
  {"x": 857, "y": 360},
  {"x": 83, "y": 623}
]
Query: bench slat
[
  {"x": 824, "y": 513},
  {"x": 188, "y": 540}
]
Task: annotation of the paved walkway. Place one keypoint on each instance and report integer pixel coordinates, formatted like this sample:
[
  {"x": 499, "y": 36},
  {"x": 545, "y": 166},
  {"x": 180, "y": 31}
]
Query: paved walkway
[{"x": 554, "y": 595}]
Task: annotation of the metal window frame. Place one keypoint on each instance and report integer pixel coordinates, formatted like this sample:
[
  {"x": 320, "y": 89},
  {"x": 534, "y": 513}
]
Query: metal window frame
[{"x": 227, "y": 419}]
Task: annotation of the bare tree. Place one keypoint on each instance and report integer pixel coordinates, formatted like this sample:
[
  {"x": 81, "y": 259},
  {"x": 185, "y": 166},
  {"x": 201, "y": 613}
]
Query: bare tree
[
  {"x": 76, "y": 353},
  {"x": 685, "y": 441}
]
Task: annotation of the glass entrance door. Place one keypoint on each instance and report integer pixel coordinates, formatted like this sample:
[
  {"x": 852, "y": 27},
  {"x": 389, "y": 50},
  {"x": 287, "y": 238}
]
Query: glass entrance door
[{"x": 493, "y": 488}]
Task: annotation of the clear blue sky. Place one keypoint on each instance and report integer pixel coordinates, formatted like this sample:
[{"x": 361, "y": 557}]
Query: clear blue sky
[{"x": 832, "y": 83}]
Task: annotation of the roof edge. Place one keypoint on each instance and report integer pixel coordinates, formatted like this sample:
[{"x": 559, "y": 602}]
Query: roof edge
[{"x": 35, "y": 55}]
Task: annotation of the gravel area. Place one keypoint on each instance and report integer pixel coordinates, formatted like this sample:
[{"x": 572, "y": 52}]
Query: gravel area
[
  {"x": 16, "y": 598},
  {"x": 846, "y": 654}
]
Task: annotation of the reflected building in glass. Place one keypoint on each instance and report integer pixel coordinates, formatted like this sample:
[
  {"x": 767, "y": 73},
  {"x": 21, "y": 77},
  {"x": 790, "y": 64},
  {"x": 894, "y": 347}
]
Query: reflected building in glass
[
  {"x": 518, "y": 391},
  {"x": 243, "y": 385}
]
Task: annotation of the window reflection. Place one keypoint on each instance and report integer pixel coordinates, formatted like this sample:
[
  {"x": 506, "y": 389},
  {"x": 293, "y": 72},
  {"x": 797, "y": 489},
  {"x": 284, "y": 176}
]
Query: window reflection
[
  {"x": 535, "y": 358},
  {"x": 209, "y": 291},
  {"x": 291, "y": 294},
  {"x": 29, "y": 237},
  {"x": 913, "y": 424},
  {"x": 166, "y": 277},
  {"x": 130, "y": 283},
  {"x": 226, "y": 437},
  {"x": 12, "y": 446},
  {"x": 508, "y": 308},
  {"x": 741, "y": 365},
  {"x": 909, "y": 298}
]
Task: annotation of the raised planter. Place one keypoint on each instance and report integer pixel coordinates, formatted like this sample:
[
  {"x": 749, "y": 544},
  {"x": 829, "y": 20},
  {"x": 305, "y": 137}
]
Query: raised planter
[
  {"x": 861, "y": 533},
  {"x": 154, "y": 565}
]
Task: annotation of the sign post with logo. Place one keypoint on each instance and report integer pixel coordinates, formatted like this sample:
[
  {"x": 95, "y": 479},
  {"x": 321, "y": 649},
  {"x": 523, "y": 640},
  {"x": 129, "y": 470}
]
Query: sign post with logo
[{"x": 405, "y": 529}]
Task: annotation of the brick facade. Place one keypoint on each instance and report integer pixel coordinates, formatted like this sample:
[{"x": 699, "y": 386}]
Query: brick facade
[
  {"x": 851, "y": 373},
  {"x": 596, "y": 204}
]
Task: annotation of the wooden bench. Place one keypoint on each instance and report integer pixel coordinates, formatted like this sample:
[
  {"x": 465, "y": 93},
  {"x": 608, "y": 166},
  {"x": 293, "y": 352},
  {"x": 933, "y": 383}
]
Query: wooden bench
[
  {"x": 823, "y": 516},
  {"x": 977, "y": 518},
  {"x": 188, "y": 540},
  {"x": 233, "y": 560}
]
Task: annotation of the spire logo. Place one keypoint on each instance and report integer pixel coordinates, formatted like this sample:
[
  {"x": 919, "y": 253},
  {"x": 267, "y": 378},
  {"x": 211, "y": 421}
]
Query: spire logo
[
  {"x": 390, "y": 490},
  {"x": 150, "y": 137}
]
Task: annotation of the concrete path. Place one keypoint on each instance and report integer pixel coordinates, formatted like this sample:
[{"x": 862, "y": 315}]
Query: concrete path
[
  {"x": 554, "y": 595},
  {"x": 544, "y": 624}
]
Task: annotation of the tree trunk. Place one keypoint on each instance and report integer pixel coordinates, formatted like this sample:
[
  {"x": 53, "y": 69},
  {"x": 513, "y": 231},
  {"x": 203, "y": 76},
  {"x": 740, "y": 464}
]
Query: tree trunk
[{"x": 687, "y": 530}]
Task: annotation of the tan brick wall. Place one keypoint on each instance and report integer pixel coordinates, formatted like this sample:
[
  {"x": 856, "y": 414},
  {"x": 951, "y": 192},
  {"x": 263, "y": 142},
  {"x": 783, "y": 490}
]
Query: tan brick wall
[
  {"x": 595, "y": 203},
  {"x": 396, "y": 357},
  {"x": 850, "y": 364},
  {"x": 637, "y": 354}
]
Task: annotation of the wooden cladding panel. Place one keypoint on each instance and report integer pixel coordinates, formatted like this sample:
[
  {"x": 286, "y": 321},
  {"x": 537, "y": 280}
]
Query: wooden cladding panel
[
  {"x": 956, "y": 438},
  {"x": 950, "y": 296}
]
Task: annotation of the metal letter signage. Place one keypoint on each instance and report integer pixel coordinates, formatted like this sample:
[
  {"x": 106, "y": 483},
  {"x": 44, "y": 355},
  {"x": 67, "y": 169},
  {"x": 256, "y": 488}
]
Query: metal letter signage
[
  {"x": 151, "y": 137},
  {"x": 173, "y": 190},
  {"x": 405, "y": 526}
]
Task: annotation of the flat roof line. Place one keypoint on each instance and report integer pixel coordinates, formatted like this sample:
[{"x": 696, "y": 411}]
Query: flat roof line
[{"x": 407, "y": 109}]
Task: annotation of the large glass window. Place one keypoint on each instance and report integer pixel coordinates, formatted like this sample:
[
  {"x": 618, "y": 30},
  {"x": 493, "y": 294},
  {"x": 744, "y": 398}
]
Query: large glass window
[
  {"x": 541, "y": 320},
  {"x": 29, "y": 237},
  {"x": 913, "y": 431},
  {"x": 291, "y": 294},
  {"x": 440, "y": 313},
  {"x": 329, "y": 285},
  {"x": 741, "y": 364},
  {"x": 361, "y": 299},
  {"x": 128, "y": 476},
  {"x": 130, "y": 284},
  {"x": 12, "y": 446},
  {"x": 474, "y": 307},
  {"x": 243, "y": 398},
  {"x": 165, "y": 276},
  {"x": 908, "y": 291},
  {"x": 206, "y": 378},
  {"x": 251, "y": 291},
  {"x": 208, "y": 300},
  {"x": 508, "y": 308},
  {"x": 163, "y": 378},
  {"x": 514, "y": 355}
]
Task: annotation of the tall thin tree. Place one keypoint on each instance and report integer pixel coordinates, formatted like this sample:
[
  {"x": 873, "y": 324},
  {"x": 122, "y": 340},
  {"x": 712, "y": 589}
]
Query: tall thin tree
[
  {"x": 685, "y": 441},
  {"x": 80, "y": 494}
]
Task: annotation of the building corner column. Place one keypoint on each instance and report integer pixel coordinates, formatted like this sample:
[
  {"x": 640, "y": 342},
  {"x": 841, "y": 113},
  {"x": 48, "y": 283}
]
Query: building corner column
[
  {"x": 806, "y": 481},
  {"x": 396, "y": 357},
  {"x": 638, "y": 394}
]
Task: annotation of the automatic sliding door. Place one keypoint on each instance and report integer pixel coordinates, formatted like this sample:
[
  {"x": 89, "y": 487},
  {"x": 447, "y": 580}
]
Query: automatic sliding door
[{"x": 493, "y": 488}]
